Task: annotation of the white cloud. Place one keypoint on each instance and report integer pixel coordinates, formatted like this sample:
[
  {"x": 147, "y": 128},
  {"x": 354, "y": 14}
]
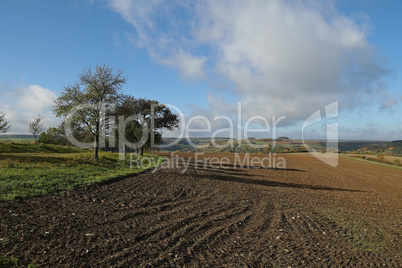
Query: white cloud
[
  {"x": 189, "y": 66},
  {"x": 280, "y": 57},
  {"x": 34, "y": 98},
  {"x": 287, "y": 56},
  {"x": 140, "y": 13},
  {"x": 22, "y": 103},
  {"x": 160, "y": 36}
]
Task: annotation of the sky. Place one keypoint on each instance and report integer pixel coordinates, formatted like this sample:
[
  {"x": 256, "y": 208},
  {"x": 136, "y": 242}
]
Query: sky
[{"x": 233, "y": 64}]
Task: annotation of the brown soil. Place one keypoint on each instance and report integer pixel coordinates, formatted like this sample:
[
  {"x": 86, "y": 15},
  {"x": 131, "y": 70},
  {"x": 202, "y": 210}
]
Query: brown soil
[{"x": 308, "y": 214}]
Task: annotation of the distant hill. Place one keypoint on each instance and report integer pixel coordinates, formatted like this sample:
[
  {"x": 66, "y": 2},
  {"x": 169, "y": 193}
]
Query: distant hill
[
  {"x": 282, "y": 145},
  {"x": 16, "y": 136}
]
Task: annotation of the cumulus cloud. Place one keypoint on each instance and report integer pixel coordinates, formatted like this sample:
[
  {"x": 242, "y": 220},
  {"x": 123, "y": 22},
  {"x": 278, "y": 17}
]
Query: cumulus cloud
[
  {"x": 159, "y": 29},
  {"x": 279, "y": 57},
  {"x": 34, "y": 98},
  {"x": 191, "y": 67},
  {"x": 22, "y": 103}
]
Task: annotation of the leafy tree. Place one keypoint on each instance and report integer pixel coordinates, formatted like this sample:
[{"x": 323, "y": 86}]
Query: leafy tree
[
  {"x": 155, "y": 115},
  {"x": 94, "y": 94},
  {"x": 36, "y": 126},
  {"x": 47, "y": 137},
  {"x": 54, "y": 135},
  {"x": 4, "y": 125}
]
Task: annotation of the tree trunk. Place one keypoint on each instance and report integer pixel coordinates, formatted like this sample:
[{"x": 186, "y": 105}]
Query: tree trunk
[
  {"x": 96, "y": 146},
  {"x": 142, "y": 150}
]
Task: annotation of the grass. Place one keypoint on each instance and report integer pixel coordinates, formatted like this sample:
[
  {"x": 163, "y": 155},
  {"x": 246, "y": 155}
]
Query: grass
[
  {"x": 362, "y": 234},
  {"x": 395, "y": 165},
  {"x": 7, "y": 139},
  {"x": 20, "y": 147},
  {"x": 12, "y": 262},
  {"x": 8, "y": 261},
  {"x": 28, "y": 175}
]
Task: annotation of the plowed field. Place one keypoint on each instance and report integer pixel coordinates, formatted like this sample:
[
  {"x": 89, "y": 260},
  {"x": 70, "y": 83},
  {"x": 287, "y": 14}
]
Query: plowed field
[{"x": 306, "y": 214}]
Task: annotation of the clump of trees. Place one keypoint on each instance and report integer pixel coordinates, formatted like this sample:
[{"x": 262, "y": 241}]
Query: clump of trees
[
  {"x": 155, "y": 115},
  {"x": 54, "y": 135},
  {"x": 4, "y": 125},
  {"x": 95, "y": 105}
]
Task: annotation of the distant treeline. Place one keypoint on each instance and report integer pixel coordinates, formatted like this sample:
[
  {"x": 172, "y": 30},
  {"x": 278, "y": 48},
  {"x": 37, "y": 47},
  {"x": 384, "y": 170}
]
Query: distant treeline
[{"x": 16, "y": 136}]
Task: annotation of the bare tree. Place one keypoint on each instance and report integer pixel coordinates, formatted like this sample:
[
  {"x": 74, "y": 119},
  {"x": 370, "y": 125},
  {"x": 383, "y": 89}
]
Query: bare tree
[
  {"x": 97, "y": 91},
  {"x": 36, "y": 126},
  {"x": 4, "y": 125}
]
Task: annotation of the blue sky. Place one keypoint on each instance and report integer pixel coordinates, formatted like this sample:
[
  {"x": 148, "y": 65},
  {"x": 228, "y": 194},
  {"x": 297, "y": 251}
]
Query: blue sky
[{"x": 278, "y": 58}]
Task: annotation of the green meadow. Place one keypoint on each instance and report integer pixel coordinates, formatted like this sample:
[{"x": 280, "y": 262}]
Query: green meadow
[{"x": 30, "y": 170}]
